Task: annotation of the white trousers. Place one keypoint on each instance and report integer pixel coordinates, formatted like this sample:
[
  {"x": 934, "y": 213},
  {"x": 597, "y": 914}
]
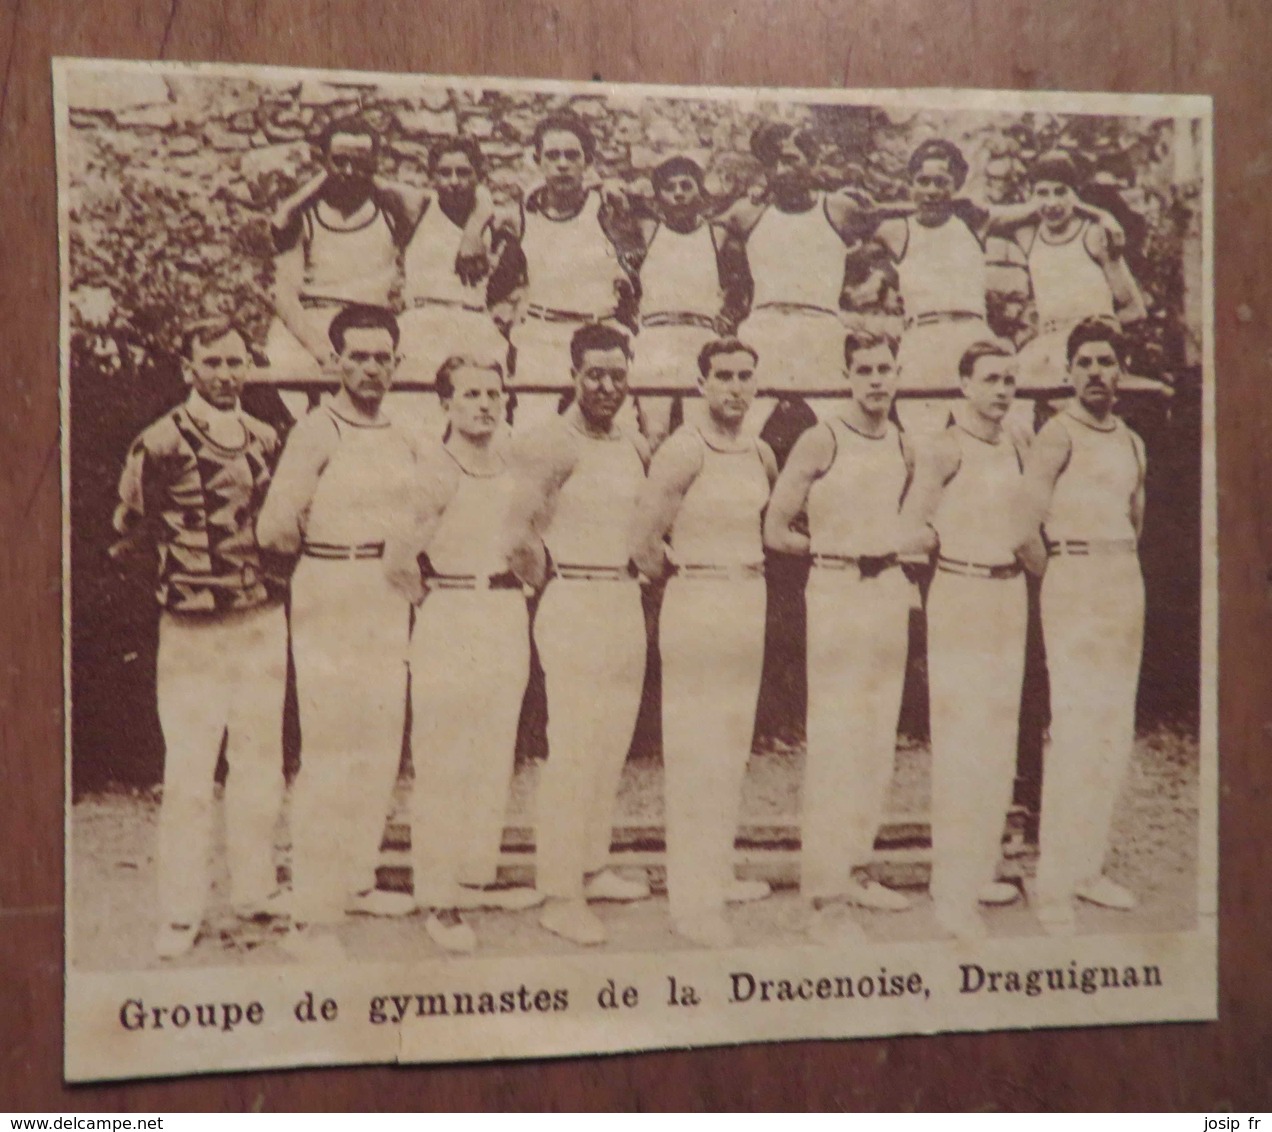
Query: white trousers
[
  {"x": 430, "y": 335},
  {"x": 1093, "y": 629},
  {"x": 349, "y": 639},
  {"x": 712, "y": 643},
  {"x": 976, "y": 662},
  {"x": 217, "y": 675},
  {"x": 858, "y": 634},
  {"x": 542, "y": 358},
  {"x": 798, "y": 351},
  {"x": 290, "y": 361},
  {"x": 591, "y": 639},
  {"x": 929, "y": 359},
  {"x": 470, "y": 658},
  {"x": 666, "y": 358}
]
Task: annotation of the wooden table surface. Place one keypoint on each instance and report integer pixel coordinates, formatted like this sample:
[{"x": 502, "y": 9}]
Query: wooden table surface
[{"x": 1219, "y": 47}]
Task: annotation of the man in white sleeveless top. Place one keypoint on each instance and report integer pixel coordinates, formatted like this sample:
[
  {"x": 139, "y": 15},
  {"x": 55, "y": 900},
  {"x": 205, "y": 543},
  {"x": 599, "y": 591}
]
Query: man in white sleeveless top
[
  {"x": 849, "y": 473},
  {"x": 449, "y": 312},
  {"x": 343, "y": 481},
  {"x": 1084, "y": 483},
  {"x": 707, "y": 489},
  {"x": 940, "y": 256},
  {"x": 470, "y": 654},
  {"x": 573, "y": 275},
  {"x": 1076, "y": 271},
  {"x": 797, "y": 241},
  {"x": 964, "y": 505},
  {"x": 577, "y": 477},
  {"x": 337, "y": 241},
  {"x": 690, "y": 273}
]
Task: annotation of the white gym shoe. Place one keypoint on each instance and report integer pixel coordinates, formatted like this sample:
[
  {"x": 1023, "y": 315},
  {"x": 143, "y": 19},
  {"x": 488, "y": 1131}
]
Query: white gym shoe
[
  {"x": 1106, "y": 893},
  {"x": 998, "y": 894},
  {"x": 610, "y": 885},
  {"x": 381, "y": 902},
  {"x": 515, "y": 898},
  {"x": 709, "y": 930},
  {"x": 457, "y": 937},
  {"x": 273, "y": 909},
  {"x": 175, "y": 940},
  {"x": 573, "y": 920},
  {"x": 747, "y": 891},
  {"x": 871, "y": 894}
]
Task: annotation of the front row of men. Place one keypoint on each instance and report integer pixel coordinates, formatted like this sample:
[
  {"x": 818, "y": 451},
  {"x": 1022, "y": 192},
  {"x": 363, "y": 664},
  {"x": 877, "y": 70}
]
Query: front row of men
[{"x": 577, "y": 514}]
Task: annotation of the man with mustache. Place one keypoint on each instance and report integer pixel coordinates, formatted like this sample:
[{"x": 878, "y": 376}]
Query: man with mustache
[
  {"x": 578, "y": 476},
  {"x": 470, "y": 654},
  {"x": 448, "y": 311},
  {"x": 1084, "y": 481},
  {"x": 849, "y": 473},
  {"x": 343, "y": 481},
  {"x": 573, "y": 275},
  {"x": 964, "y": 503},
  {"x": 189, "y": 495},
  {"x": 707, "y": 489},
  {"x": 337, "y": 241}
]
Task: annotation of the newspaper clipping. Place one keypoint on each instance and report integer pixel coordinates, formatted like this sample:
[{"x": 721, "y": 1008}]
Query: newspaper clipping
[{"x": 559, "y": 568}]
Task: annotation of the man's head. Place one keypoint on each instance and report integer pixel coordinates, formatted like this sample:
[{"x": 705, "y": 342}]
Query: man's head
[
  {"x": 365, "y": 340},
  {"x": 600, "y": 356},
  {"x": 348, "y": 149},
  {"x": 472, "y": 393},
  {"x": 1094, "y": 351},
  {"x": 1054, "y": 177},
  {"x": 787, "y": 154},
  {"x": 937, "y": 171},
  {"x": 870, "y": 365},
  {"x": 727, "y": 381},
  {"x": 214, "y": 360},
  {"x": 678, "y": 185},
  {"x": 564, "y": 148},
  {"x": 455, "y": 166},
  {"x": 987, "y": 374}
]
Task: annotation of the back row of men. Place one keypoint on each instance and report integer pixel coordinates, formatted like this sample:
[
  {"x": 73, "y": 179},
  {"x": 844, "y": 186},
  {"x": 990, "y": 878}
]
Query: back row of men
[
  {"x": 779, "y": 267},
  {"x": 363, "y": 522}
]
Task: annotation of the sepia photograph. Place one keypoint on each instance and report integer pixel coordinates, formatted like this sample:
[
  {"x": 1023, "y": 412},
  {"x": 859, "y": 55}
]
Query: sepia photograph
[{"x": 559, "y": 568}]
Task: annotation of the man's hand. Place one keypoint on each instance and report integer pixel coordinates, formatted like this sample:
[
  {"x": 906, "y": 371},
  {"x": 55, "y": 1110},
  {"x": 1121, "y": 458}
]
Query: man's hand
[{"x": 1033, "y": 556}]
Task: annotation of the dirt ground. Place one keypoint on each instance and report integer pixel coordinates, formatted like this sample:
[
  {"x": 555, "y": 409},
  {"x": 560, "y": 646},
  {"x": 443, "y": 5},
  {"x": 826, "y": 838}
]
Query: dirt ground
[{"x": 1154, "y": 853}]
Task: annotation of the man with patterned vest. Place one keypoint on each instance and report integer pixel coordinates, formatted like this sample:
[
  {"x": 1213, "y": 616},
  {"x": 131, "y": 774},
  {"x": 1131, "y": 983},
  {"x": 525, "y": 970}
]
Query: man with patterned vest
[
  {"x": 191, "y": 489},
  {"x": 1084, "y": 486}
]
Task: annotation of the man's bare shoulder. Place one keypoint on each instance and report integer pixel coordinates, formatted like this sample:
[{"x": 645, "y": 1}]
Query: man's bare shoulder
[{"x": 549, "y": 447}]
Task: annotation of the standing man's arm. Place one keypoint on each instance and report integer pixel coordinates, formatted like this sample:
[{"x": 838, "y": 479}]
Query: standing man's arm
[
  {"x": 280, "y": 527},
  {"x": 289, "y": 278},
  {"x": 674, "y": 468},
  {"x": 541, "y": 463},
  {"x": 812, "y": 455},
  {"x": 136, "y": 517},
  {"x": 936, "y": 463},
  {"x": 1045, "y": 460},
  {"x": 433, "y": 487},
  {"x": 1128, "y": 300},
  {"x": 1138, "y": 498}
]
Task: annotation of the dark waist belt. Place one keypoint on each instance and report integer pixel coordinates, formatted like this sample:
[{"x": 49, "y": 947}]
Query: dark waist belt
[
  {"x": 931, "y": 318},
  {"x": 311, "y": 302},
  {"x": 331, "y": 550},
  {"x": 578, "y": 572},
  {"x": 795, "y": 308},
  {"x": 1080, "y": 547},
  {"x": 678, "y": 318},
  {"x": 867, "y": 565},
  {"x": 725, "y": 572},
  {"x": 452, "y": 304},
  {"x": 504, "y": 581},
  {"x": 552, "y": 314},
  {"x": 978, "y": 569}
]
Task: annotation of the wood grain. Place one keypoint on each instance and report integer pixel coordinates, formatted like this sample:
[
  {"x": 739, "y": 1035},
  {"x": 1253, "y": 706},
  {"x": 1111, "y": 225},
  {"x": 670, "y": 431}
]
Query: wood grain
[{"x": 1207, "y": 46}]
